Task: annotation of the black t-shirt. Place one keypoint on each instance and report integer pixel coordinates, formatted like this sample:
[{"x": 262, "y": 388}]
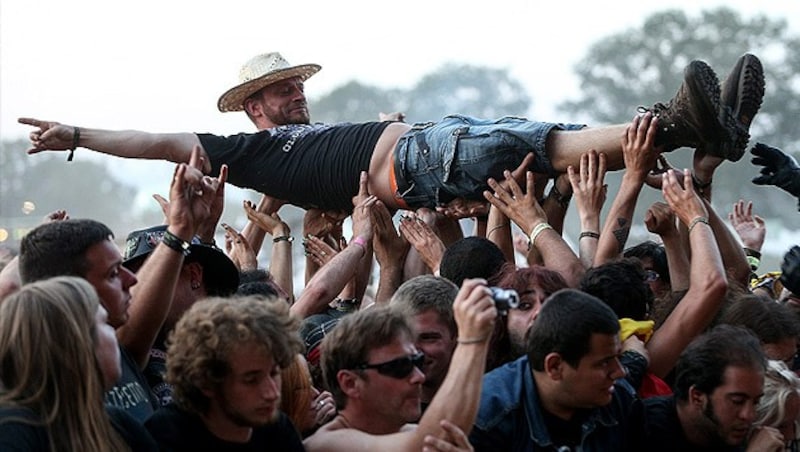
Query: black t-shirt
[
  {"x": 132, "y": 393},
  {"x": 176, "y": 430},
  {"x": 664, "y": 430},
  {"x": 314, "y": 165},
  {"x": 21, "y": 436}
]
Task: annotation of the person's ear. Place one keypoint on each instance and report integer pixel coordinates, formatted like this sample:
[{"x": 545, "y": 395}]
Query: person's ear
[
  {"x": 554, "y": 366},
  {"x": 252, "y": 107},
  {"x": 195, "y": 271},
  {"x": 349, "y": 383},
  {"x": 697, "y": 398}
]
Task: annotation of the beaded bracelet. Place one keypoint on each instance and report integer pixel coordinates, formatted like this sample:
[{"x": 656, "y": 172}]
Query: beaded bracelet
[
  {"x": 174, "y": 242},
  {"x": 589, "y": 234}
]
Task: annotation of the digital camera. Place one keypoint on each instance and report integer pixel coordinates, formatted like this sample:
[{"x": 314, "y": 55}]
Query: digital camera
[{"x": 504, "y": 299}]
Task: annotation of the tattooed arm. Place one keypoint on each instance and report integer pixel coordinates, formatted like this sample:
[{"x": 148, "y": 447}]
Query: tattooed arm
[{"x": 640, "y": 157}]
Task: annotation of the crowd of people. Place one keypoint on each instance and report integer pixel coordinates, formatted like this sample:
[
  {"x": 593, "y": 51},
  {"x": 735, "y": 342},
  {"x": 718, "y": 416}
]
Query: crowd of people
[{"x": 177, "y": 343}]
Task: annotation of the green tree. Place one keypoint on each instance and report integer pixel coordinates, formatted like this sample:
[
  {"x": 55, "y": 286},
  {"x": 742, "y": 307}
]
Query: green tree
[
  {"x": 355, "y": 102},
  {"x": 454, "y": 88},
  {"x": 641, "y": 66},
  {"x": 469, "y": 90}
]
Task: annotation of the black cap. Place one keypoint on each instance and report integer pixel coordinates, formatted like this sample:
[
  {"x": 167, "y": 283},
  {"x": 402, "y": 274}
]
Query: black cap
[{"x": 219, "y": 272}]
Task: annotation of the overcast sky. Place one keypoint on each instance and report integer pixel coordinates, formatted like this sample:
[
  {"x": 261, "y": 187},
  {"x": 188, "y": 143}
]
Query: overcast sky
[{"x": 161, "y": 65}]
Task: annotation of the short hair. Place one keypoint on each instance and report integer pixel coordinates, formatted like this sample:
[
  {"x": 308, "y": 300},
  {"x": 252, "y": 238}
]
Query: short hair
[
  {"x": 59, "y": 248},
  {"x": 656, "y": 253},
  {"x": 780, "y": 383},
  {"x": 348, "y": 345},
  {"x": 424, "y": 293},
  {"x": 520, "y": 279},
  {"x": 565, "y": 325},
  {"x": 472, "y": 257},
  {"x": 199, "y": 346},
  {"x": 621, "y": 285},
  {"x": 770, "y": 321},
  {"x": 703, "y": 363},
  {"x": 48, "y": 363}
]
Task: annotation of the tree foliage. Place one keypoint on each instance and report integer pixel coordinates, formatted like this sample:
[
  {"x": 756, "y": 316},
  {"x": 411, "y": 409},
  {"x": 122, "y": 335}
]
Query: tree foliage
[
  {"x": 454, "y": 88},
  {"x": 84, "y": 188},
  {"x": 641, "y": 66}
]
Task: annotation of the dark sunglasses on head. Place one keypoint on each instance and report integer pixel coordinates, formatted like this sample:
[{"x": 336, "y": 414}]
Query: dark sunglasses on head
[{"x": 398, "y": 367}]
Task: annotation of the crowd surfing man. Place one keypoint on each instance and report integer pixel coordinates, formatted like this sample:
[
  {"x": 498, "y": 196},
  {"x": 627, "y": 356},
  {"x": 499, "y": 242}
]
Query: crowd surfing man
[{"x": 410, "y": 166}]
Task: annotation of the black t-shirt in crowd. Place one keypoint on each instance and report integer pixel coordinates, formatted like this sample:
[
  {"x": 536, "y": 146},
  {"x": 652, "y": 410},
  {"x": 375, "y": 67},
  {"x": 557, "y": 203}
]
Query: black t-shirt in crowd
[{"x": 176, "y": 430}]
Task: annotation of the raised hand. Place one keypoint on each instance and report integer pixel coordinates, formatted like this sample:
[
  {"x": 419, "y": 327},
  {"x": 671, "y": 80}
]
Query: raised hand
[
  {"x": 751, "y": 228},
  {"x": 318, "y": 250},
  {"x": 682, "y": 199},
  {"x": 779, "y": 169},
  {"x": 522, "y": 208},
  {"x": 659, "y": 219},
  {"x": 239, "y": 250},
  {"x": 588, "y": 187},
  {"x": 420, "y": 235},
  {"x": 389, "y": 246}
]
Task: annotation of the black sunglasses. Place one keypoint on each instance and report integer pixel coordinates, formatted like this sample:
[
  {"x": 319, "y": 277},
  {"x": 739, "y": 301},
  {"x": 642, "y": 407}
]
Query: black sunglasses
[{"x": 398, "y": 367}]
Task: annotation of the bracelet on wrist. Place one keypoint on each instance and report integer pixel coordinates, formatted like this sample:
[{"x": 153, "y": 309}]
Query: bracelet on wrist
[
  {"x": 76, "y": 139},
  {"x": 751, "y": 252},
  {"x": 561, "y": 199},
  {"x": 176, "y": 243},
  {"x": 472, "y": 340},
  {"x": 694, "y": 222},
  {"x": 698, "y": 184},
  {"x": 753, "y": 262},
  {"x": 360, "y": 242},
  {"x": 589, "y": 234},
  {"x": 283, "y": 238},
  {"x": 538, "y": 229}
]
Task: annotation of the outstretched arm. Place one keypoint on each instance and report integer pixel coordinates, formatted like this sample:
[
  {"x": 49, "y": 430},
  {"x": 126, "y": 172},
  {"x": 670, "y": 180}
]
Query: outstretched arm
[
  {"x": 640, "y": 157},
  {"x": 173, "y": 147},
  {"x": 589, "y": 190},
  {"x": 707, "y": 283},
  {"x": 191, "y": 197}
]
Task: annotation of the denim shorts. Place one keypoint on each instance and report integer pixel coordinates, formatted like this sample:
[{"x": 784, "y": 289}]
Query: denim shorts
[{"x": 438, "y": 162}]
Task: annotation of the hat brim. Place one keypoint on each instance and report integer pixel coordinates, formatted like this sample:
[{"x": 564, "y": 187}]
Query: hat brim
[
  {"x": 219, "y": 272},
  {"x": 233, "y": 99}
]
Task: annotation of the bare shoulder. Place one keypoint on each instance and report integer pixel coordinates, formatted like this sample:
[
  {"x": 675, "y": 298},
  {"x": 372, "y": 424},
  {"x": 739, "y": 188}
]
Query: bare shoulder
[{"x": 336, "y": 437}]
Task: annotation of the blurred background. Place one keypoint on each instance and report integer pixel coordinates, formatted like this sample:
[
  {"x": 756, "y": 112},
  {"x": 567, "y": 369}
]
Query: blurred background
[{"x": 160, "y": 66}]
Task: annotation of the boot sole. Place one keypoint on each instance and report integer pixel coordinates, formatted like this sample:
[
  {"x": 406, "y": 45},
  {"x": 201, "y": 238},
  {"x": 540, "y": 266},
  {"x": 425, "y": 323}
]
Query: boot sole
[
  {"x": 742, "y": 96},
  {"x": 703, "y": 86}
]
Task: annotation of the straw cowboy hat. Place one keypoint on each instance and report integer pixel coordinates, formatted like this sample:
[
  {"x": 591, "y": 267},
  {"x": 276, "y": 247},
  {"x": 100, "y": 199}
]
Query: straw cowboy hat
[{"x": 259, "y": 72}]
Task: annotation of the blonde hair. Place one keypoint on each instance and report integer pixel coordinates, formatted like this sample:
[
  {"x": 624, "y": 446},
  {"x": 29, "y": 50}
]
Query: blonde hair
[
  {"x": 780, "y": 383},
  {"x": 48, "y": 364}
]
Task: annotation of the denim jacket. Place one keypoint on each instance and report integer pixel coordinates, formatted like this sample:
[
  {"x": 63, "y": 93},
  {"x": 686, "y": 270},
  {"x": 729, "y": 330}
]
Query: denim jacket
[{"x": 510, "y": 416}]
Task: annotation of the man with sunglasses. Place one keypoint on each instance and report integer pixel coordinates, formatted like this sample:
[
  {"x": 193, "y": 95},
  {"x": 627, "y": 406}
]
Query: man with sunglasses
[{"x": 373, "y": 369}]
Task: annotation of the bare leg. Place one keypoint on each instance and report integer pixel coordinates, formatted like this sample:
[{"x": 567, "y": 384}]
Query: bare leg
[{"x": 564, "y": 147}]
